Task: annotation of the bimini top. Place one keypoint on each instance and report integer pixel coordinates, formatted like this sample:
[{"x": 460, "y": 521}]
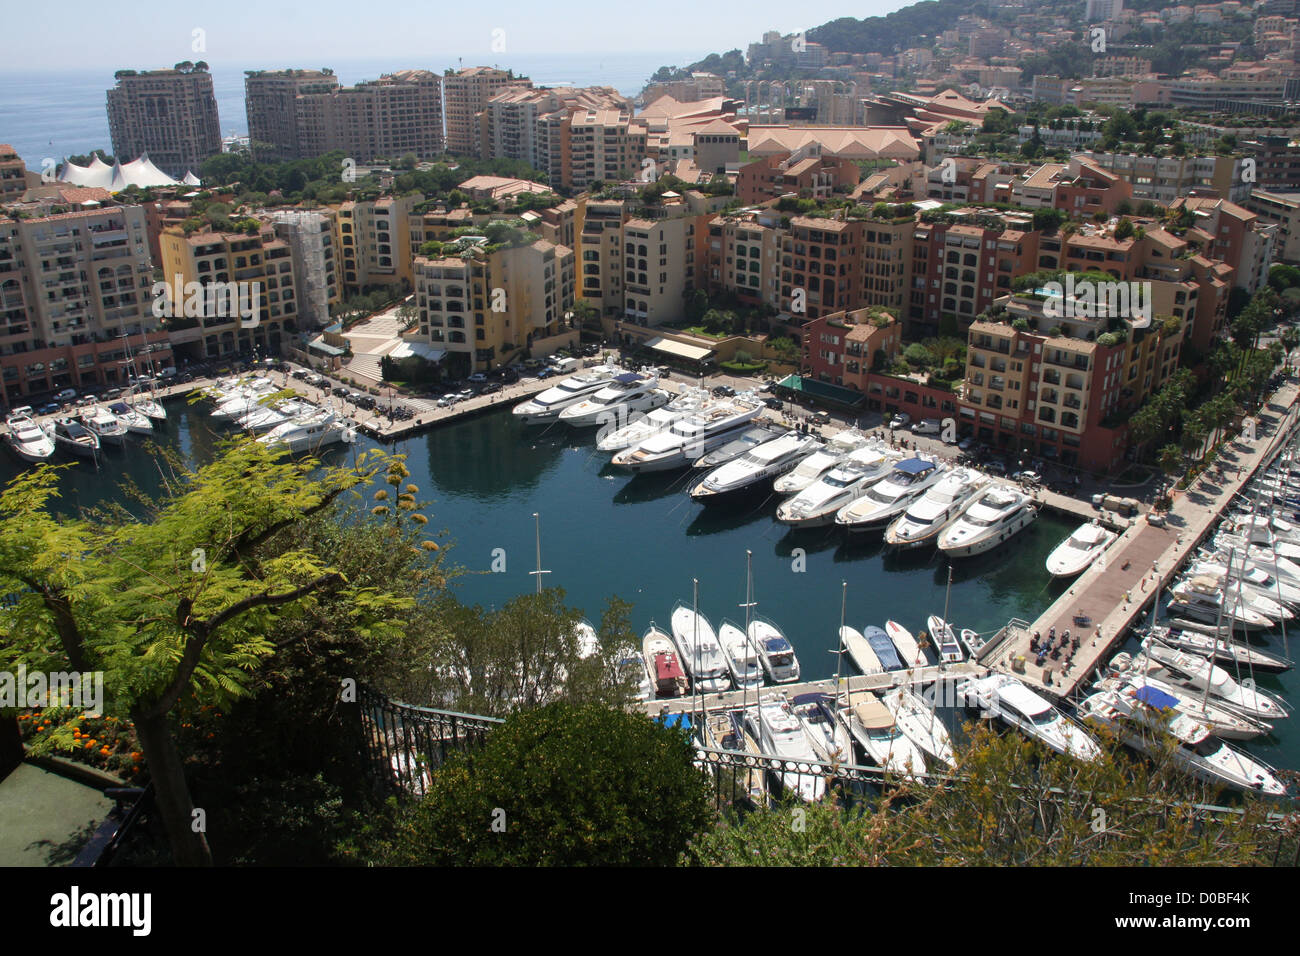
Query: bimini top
[
  {"x": 1154, "y": 697},
  {"x": 628, "y": 378},
  {"x": 914, "y": 466}
]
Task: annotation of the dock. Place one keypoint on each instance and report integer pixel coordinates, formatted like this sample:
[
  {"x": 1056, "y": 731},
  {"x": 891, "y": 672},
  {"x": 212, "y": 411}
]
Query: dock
[{"x": 1123, "y": 584}]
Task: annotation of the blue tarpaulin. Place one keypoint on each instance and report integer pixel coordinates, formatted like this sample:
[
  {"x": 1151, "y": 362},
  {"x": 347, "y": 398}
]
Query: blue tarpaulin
[{"x": 1153, "y": 697}]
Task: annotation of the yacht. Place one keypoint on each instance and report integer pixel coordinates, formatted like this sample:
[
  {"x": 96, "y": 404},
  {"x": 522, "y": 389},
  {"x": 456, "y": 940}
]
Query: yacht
[
  {"x": 265, "y": 417},
  {"x": 1255, "y": 530},
  {"x": 774, "y": 651},
  {"x": 755, "y": 467},
  {"x": 859, "y": 651},
  {"x": 701, "y": 654},
  {"x": 1073, "y": 555},
  {"x": 1224, "y": 544},
  {"x": 309, "y": 433},
  {"x": 745, "y": 728},
  {"x": 630, "y": 393},
  {"x": 888, "y": 498},
  {"x": 147, "y": 406},
  {"x": 74, "y": 437},
  {"x": 942, "y": 504},
  {"x": 1193, "y": 672},
  {"x": 588, "y": 644},
  {"x": 641, "y": 427},
  {"x": 828, "y": 736},
  {"x": 1226, "y": 650},
  {"x": 920, "y": 724},
  {"x": 742, "y": 659},
  {"x": 819, "y": 462},
  {"x": 137, "y": 423},
  {"x": 1139, "y": 724},
  {"x": 876, "y": 730},
  {"x": 244, "y": 400},
  {"x": 28, "y": 441},
  {"x": 546, "y": 406},
  {"x": 781, "y": 735},
  {"x": 1253, "y": 581},
  {"x": 883, "y": 648},
  {"x": 663, "y": 663},
  {"x": 692, "y": 437},
  {"x": 818, "y": 504},
  {"x": 944, "y": 640},
  {"x": 1222, "y": 722},
  {"x": 909, "y": 652},
  {"x": 630, "y": 666},
  {"x": 1200, "y": 599},
  {"x": 747, "y": 440},
  {"x": 106, "y": 426},
  {"x": 992, "y": 518},
  {"x": 1005, "y": 697}
]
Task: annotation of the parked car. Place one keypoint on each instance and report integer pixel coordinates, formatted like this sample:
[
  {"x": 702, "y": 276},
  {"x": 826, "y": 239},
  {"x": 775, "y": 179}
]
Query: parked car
[
  {"x": 901, "y": 420},
  {"x": 491, "y": 387},
  {"x": 67, "y": 395},
  {"x": 927, "y": 426},
  {"x": 996, "y": 467},
  {"x": 339, "y": 391},
  {"x": 544, "y": 373},
  {"x": 724, "y": 391},
  {"x": 967, "y": 443},
  {"x": 510, "y": 376},
  {"x": 48, "y": 409},
  {"x": 300, "y": 373},
  {"x": 533, "y": 363},
  {"x": 477, "y": 377},
  {"x": 773, "y": 402},
  {"x": 821, "y": 418},
  {"x": 465, "y": 394},
  {"x": 448, "y": 400}
]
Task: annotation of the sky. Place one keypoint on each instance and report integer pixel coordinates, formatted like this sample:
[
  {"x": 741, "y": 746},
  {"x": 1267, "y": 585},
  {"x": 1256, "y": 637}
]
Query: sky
[{"x": 310, "y": 33}]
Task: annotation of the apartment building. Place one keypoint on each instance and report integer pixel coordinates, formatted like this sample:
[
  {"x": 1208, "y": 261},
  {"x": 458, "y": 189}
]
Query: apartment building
[
  {"x": 799, "y": 174},
  {"x": 841, "y": 348},
  {"x": 271, "y": 103},
  {"x": 531, "y": 125},
  {"x": 605, "y": 145},
  {"x": 1280, "y": 209},
  {"x": 600, "y": 251},
  {"x": 398, "y": 113},
  {"x": 313, "y": 246},
  {"x": 263, "y": 261},
  {"x": 375, "y": 242},
  {"x": 742, "y": 256},
  {"x": 466, "y": 95},
  {"x": 1233, "y": 235},
  {"x": 487, "y": 308},
  {"x": 169, "y": 114},
  {"x": 13, "y": 175},
  {"x": 959, "y": 269},
  {"x": 1164, "y": 179},
  {"x": 821, "y": 270},
  {"x": 1277, "y": 162},
  {"x": 659, "y": 266},
  {"x": 75, "y": 294},
  {"x": 1079, "y": 187}
]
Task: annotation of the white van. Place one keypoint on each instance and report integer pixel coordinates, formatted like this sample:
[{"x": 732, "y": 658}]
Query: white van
[
  {"x": 565, "y": 365},
  {"x": 929, "y": 426}
]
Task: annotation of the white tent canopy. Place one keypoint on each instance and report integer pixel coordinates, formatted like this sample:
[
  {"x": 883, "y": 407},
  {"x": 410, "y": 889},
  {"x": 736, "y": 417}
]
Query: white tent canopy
[{"x": 138, "y": 172}]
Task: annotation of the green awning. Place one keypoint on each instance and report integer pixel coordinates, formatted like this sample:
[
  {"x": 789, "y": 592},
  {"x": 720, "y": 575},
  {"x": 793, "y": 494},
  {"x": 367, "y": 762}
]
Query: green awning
[{"x": 822, "y": 393}]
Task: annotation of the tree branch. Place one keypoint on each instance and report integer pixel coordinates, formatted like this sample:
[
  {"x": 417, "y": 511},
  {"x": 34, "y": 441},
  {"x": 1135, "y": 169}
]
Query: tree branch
[{"x": 64, "y": 623}]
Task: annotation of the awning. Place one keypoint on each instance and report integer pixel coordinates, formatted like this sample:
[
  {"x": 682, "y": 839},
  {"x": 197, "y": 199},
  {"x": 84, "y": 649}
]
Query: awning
[
  {"x": 323, "y": 347},
  {"x": 423, "y": 349},
  {"x": 695, "y": 353}
]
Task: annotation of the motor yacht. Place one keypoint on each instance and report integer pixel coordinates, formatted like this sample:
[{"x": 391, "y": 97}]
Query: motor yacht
[
  {"x": 692, "y": 437},
  {"x": 546, "y": 406},
  {"x": 819, "y": 462},
  {"x": 702, "y": 656},
  {"x": 265, "y": 417},
  {"x": 642, "y": 426},
  {"x": 741, "y": 656},
  {"x": 1200, "y": 599},
  {"x": 630, "y": 393},
  {"x": 944, "y": 640},
  {"x": 1140, "y": 724},
  {"x": 137, "y": 423},
  {"x": 920, "y": 724},
  {"x": 1253, "y": 583},
  {"x": 107, "y": 427},
  {"x": 630, "y": 666},
  {"x": 1222, "y": 722},
  {"x": 244, "y": 400},
  {"x": 941, "y": 505},
  {"x": 992, "y": 518},
  {"x": 1009, "y": 699},
  {"x": 1084, "y": 545},
  {"x": 28, "y": 441},
  {"x": 663, "y": 663},
  {"x": 755, "y": 467},
  {"x": 818, "y": 504},
  {"x": 1193, "y": 672},
  {"x": 828, "y": 736},
  {"x": 74, "y": 437},
  {"x": 781, "y": 735},
  {"x": 886, "y": 499},
  {"x": 309, "y": 432},
  {"x": 1255, "y": 576},
  {"x": 746, "y": 441},
  {"x": 776, "y": 653},
  {"x": 876, "y": 730},
  {"x": 1201, "y": 639}
]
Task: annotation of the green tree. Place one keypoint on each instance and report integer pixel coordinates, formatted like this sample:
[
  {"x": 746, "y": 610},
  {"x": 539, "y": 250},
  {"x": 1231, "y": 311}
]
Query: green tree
[{"x": 568, "y": 784}]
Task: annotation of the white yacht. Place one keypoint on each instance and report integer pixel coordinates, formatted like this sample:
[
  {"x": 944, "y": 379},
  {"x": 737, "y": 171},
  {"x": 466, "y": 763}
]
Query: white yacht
[
  {"x": 828, "y": 736},
  {"x": 750, "y": 470},
  {"x": 1224, "y": 544},
  {"x": 943, "y": 639},
  {"x": 701, "y": 654},
  {"x": 104, "y": 424},
  {"x": 1256, "y": 531},
  {"x": 909, "y": 652},
  {"x": 1223, "y": 647},
  {"x": 819, "y": 462},
  {"x": 920, "y": 724},
  {"x": 817, "y": 504},
  {"x": 859, "y": 651},
  {"x": 1222, "y": 721},
  {"x": 926, "y": 517},
  {"x": 147, "y": 406},
  {"x": 741, "y": 656},
  {"x": 663, "y": 663},
  {"x": 991, "y": 519},
  {"x": 309, "y": 433},
  {"x": 888, "y": 498},
  {"x": 1193, "y": 672},
  {"x": 630, "y": 393},
  {"x": 746, "y": 441},
  {"x": 641, "y": 427},
  {"x": 630, "y": 665},
  {"x": 245, "y": 399},
  {"x": 266, "y": 417},
  {"x": 1073, "y": 555},
  {"x": 692, "y": 437},
  {"x": 876, "y": 730},
  {"x": 783, "y": 736},
  {"x": 774, "y": 651},
  {"x": 1200, "y": 599},
  {"x": 1007, "y": 698},
  {"x": 26, "y": 438},
  {"x": 588, "y": 644},
  {"x": 1253, "y": 582},
  {"x": 137, "y": 423},
  {"x": 1140, "y": 724},
  {"x": 73, "y": 437},
  {"x": 546, "y": 406}
]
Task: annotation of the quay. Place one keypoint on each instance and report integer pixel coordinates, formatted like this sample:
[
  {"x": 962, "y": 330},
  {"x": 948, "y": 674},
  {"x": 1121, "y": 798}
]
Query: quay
[
  {"x": 1123, "y": 585},
  {"x": 846, "y": 685}
]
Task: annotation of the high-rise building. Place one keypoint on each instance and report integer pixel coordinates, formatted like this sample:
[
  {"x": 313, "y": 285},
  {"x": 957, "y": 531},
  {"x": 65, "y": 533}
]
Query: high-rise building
[
  {"x": 310, "y": 235},
  {"x": 169, "y": 114},
  {"x": 375, "y": 241},
  {"x": 13, "y": 175},
  {"x": 270, "y": 99},
  {"x": 398, "y": 113},
  {"x": 71, "y": 286},
  {"x": 467, "y": 93}
]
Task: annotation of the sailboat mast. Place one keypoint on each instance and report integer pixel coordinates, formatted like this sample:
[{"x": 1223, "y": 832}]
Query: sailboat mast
[
  {"x": 697, "y": 694},
  {"x": 1218, "y": 628},
  {"x": 537, "y": 523},
  {"x": 749, "y": 645}
]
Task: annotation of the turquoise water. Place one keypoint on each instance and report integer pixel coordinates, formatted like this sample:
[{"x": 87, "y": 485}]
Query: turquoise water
[{"x": 604, "y": 533}]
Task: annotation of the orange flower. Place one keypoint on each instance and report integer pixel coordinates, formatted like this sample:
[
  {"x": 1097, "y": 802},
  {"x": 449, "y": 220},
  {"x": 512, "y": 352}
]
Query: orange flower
[
  {"x": 135, "y": 755},
  {"x": 89, "y": 744},
  {"x": 105, "y": 751}
]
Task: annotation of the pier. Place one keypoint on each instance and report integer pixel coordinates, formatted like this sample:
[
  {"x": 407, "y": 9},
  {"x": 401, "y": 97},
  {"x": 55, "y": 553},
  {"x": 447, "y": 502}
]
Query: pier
[{"x": 1122, "y": 585}]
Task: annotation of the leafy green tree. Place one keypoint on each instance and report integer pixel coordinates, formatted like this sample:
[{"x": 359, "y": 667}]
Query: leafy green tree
[{"x": 566, "y": 785}]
